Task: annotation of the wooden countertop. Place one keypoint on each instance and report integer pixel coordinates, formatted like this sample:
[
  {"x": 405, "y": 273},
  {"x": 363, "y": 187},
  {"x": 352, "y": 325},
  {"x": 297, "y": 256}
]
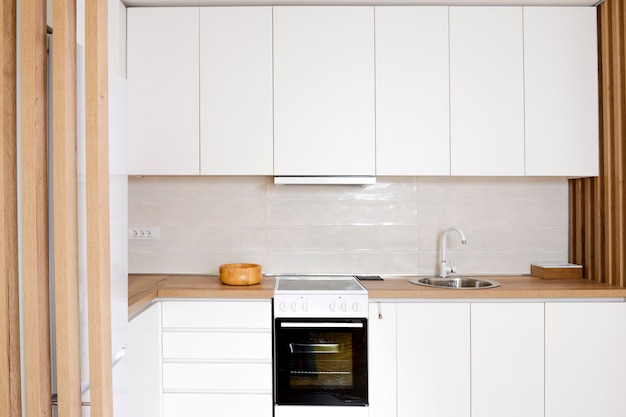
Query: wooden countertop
[{"x": 142, "y": 289}]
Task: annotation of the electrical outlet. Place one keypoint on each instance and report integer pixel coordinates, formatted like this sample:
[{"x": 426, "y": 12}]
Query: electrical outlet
[{"x": 143, "y": 233}]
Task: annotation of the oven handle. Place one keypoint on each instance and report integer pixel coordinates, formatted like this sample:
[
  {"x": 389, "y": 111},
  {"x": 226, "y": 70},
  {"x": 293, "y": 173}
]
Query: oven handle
[{"x": 322, "y": 325}]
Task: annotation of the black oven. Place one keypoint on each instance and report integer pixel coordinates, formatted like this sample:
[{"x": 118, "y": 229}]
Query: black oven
[{"x": 320, "y": 361}]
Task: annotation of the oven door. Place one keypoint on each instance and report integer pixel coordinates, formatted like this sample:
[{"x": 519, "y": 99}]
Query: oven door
[{"x": 320, "y": 361}]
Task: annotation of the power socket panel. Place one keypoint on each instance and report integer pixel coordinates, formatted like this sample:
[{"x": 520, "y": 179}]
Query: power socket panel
[{"x": 143, "y": 233}]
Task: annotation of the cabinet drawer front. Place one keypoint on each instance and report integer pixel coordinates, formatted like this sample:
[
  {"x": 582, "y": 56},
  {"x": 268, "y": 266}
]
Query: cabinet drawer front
[
  {"x": 223, "y": 405},
  {"x": 218, "y": 377},
  {"x": 217, "y": 345},
  {"x": 218, "y": 315}
]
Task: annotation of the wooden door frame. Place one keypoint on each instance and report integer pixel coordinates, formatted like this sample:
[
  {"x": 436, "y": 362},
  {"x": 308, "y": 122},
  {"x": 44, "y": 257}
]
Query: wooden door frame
[
  {"x": 34, "y": 200},
  {"x": 10, "y": 371}
]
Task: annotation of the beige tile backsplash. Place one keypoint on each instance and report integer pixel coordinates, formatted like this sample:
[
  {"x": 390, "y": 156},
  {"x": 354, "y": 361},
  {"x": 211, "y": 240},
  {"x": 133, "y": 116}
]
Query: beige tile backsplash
[{"x": 391, "y": 227}]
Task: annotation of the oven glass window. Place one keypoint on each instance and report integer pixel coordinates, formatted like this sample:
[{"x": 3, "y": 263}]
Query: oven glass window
[{"x": 321, "y": 362}]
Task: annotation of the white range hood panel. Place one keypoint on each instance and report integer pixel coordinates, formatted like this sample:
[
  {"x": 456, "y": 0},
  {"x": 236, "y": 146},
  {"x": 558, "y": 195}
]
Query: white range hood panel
[{"x": 325, "y": 180}]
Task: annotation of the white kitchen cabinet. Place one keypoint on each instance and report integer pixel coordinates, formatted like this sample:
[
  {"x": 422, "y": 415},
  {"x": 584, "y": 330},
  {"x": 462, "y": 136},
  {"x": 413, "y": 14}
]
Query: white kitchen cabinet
[
  {"x": 216, "y": 353},
  {"x": 189, "y": 358},
  {"x": 561, "y": 91},
  {"x": 144, "y": 363},
  {"x": 507, "y": 354},
  {"x": 324, "y": 90},
  {"x": 585, "y": 360},
  {"x": 163, "y": 84},
  {"x": 236, "y": 125},
  {"x": 382, "y": 361},
  {"x": 486, "y": 91},
  {"x": 433, "y": 359},
  {"x": 412, "y": 91}
]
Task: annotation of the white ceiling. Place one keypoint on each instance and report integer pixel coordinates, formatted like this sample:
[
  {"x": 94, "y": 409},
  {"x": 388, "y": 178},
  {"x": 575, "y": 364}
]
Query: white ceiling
[{"x": 361, "y": 2}]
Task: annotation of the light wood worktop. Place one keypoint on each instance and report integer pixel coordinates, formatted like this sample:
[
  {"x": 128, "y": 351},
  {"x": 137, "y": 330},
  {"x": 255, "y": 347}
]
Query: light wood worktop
[{"x": 143, "y": 289}]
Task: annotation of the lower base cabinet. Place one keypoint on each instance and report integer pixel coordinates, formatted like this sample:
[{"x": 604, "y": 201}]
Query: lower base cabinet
[
  {"x": 586, "y": 359},
  {"x": 199, "y": 358},
  {"x": 508, "y": 358},
  {"x": 430, "y": 359},
  {"x": 433, "y": 359}
]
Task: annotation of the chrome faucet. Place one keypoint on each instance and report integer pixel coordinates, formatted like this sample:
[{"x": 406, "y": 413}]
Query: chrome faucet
[{"x": 444, "y": 269}]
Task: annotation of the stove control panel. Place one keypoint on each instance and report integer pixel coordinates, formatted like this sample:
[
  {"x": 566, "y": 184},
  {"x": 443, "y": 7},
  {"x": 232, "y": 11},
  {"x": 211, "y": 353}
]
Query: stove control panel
[{"x": 314, "y": 305}]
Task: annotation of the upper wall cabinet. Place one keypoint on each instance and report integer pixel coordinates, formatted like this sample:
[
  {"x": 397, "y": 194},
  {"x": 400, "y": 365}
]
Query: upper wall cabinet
[
  {"x": 412, "y": 91},
  {"x": 200, "y": 91},
  {"x": 363, "y": 90},
  {"x": 561, "y": 74},
  {"x": 236, "y": 127},
  {"x": 324, "y": 90},
  {"x": 163, "y": 84},
  {"x": 486, "y": 91}
]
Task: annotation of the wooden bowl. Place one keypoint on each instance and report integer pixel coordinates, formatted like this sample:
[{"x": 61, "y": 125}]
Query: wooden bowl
[{"x": 240, "y": 274}]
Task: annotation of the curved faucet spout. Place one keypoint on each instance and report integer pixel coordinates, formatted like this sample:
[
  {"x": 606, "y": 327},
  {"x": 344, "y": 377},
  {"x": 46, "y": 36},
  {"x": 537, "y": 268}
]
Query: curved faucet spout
[{"x": 444, "y": 269}]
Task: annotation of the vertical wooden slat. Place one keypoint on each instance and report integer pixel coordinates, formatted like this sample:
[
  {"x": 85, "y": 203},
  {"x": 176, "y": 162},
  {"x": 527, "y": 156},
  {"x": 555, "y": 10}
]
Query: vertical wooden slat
[
  {"x": 65, "y": 199},
  {"x": 618, "y": 39},
  {"x": 602, "y": 232},
  {"x": 10, "y": 385},
  {"x": 98, "y": 227},
  {"x": 35, "y": 209},
  {"x": 575, "y": 233},
  {"x": 615, "y": 62},
  {"x": 598, "y": 233},
  {"x": 606, "y": 137},
  {"x": 587, "y": 220}
]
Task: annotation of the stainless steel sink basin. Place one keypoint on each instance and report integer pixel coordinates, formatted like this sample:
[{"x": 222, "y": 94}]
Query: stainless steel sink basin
[{"x": 463, "y": 283}]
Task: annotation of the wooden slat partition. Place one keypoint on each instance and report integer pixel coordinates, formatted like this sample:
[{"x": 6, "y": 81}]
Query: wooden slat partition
[
  {"x": 597, "y": 205},
  {"x": 98, "y": 225},
  {"x": 10, "y": 378},
  {"x": 35, "y": 209},
  {"x": 65, "y": 183}
]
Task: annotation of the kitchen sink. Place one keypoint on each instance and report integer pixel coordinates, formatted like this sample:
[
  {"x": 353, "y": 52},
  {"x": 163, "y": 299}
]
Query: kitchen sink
[{"x": 463, "y": 283}]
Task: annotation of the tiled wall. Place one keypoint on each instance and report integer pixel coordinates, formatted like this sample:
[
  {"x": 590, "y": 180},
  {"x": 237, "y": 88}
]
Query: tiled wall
[{"x": 392, "y": 227}]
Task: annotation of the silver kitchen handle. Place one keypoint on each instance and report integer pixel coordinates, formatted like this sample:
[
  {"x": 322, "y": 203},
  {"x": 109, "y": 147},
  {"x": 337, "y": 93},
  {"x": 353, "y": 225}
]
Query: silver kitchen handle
[
  {"x": 322, "y": 325},
  {"x": 314, "y": 348}
]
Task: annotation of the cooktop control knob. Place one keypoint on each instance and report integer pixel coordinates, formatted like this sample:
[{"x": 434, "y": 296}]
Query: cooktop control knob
[
  {"x": 355, "y": 306},
  {"x": 281, "y": 306},
  {"x": 344, "y": 306},
  {"x": 333, "y": 306},
  {"x": 294, "y": 306},
  {"x": 305, "y": 306}
]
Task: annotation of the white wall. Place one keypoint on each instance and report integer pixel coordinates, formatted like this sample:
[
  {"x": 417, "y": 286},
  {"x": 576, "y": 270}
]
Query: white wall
[{"x": 392, "y": 227}]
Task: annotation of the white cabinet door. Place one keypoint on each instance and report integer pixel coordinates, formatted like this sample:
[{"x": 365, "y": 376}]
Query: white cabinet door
[
  {"x": 585, "y": 360},
  {"x": 507, "y": 359},
  {"x": 324, "y": 90},
  {"x": 382, "y": 364},
  {"x": 486, "y": 91},
  {"x": 433, "y": 359},
  {"x": 412, "y": 91},
  {"x": 144, "y": 363},
  {"x": 163, "y": 85},
  {"x": 236, "y": 125},
  {"x": 560, "y": 68}
]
